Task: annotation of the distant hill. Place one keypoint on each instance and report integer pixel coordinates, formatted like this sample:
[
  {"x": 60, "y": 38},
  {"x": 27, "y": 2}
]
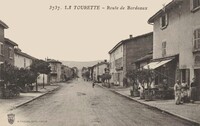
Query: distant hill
[{"x": 80, "y": 65}]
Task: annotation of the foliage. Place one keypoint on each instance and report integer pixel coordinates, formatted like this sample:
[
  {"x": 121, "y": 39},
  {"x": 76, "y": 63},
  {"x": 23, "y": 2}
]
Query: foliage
[
  {"x": 8, "y": 73},
  {"x": 74, "y": 72},
  {"x": 25, "y": 76},
  {"x": 142, "y": 76},
  {"x": 14, "y": 75},
  {"x": 105, "y": 77},
  {"x": 40, "y": 67}
]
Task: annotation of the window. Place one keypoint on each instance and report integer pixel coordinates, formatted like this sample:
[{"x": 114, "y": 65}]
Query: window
[
  {"x": 24, "y": 62},
  {"x": 195, "y": 4},
  {"x": 53, "y": 68},
  {"x": 185, "y": 76},
  {"x": 10, "y": 53},
  {"x": 197, "y": 39},
  {"x": 163, "y": 21},
  {"x": 164, "y": 44},
  {"x": 1, "y": 48}
]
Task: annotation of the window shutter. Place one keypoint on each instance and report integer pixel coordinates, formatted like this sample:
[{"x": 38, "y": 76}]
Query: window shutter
[
  {"x": 2, "y": 49},
  {"x": 191, "y": 5},
  {"x": 166, "y": 19},
  {"x": 161, "y": 22}
]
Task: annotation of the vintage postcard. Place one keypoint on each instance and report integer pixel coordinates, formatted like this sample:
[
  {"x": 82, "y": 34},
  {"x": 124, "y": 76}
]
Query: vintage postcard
[{"x": 99, "y": 63}]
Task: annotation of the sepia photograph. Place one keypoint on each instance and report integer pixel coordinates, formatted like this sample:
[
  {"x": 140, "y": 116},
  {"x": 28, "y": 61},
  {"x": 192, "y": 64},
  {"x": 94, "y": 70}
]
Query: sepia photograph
[{"x": 100, "y": 63}]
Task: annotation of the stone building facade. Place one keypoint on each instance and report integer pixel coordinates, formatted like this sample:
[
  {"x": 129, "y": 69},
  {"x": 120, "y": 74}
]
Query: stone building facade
[
  {"x": 176, "y": 30},
  {"x": 126, "y": 52}
]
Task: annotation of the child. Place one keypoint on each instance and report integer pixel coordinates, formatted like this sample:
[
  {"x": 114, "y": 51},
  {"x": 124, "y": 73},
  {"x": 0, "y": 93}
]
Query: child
[{"x": 93, "y": 84}]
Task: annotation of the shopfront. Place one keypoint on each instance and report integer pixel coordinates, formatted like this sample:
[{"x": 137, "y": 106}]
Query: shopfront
[
  {"x": 166, "y": 73},
  {"x": 165, "y": 69}
]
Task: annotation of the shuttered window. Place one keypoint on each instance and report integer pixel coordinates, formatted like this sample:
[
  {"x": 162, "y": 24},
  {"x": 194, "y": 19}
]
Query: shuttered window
[
  {"x": 163, "y": 21},
  {"x": 164, "y": 44},
  {"x": 197, "y": 39},
  {"x": 1, "y": 49},
  {"x": 196, "y": 3}
]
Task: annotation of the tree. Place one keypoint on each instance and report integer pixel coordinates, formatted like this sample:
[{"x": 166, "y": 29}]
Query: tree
[
  {"x": 8, "y": 72},
  {"x": 144, "y": 76},
  {"x": 40, "y": 67},
  {"x": 106, "y": 78}
]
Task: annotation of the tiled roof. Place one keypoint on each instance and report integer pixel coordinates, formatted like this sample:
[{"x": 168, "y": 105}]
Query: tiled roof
[
  {"x": 146, "y": 57},
  {"x": 10, "y": 42},
  {"x": 167, "y": 8},
  {"x": 19, "y": 52},
  {"x": 53, "y": 61},
  {"x": 101, "y": 63},
  {"x": 126, "y": 40},
  {"x": 3, "y": 24}
]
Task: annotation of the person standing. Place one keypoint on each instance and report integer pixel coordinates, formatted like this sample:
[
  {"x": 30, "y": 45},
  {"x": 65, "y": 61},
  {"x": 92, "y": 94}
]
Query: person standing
[
  {"x": 177, "y": 91},
  {"x": 184, "y": 91},
  {"x": 193, "y": 90},
  {"x": 93, "y": 84}
]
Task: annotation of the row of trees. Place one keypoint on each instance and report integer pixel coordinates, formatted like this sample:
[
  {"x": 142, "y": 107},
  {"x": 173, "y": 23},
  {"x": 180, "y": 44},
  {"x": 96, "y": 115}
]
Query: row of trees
[
  {"x": 22, "y": 76},
  {"x": 142, "y": 77}
]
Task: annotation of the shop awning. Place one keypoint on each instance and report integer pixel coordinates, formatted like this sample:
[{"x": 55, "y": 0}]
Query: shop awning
[
  {"x": 157, "y": 64},
  {"x": 151, "y": 65}
]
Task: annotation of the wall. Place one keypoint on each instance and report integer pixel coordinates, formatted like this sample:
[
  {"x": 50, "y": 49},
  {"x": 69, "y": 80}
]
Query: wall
[
  {"x": 135, "y": 49},
  {"x": 21, "y": 61},
  {"x": 178, "y": 35},
  {"x": 2, "y": 41},
  {"x": 114, "y": 56},
  {"x": 7, "y": 57},
  {"x": 55, "y": 76},
  {"x": 99, "y": 70}
]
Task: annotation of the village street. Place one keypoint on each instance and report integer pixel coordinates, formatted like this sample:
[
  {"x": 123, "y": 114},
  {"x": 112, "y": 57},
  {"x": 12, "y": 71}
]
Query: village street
[{"x": 78, "y": 104}]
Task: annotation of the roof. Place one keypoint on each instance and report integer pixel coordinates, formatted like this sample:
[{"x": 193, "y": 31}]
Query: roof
[
  {"x": 165, "y": 58},
  {"x": 3, "y": 24},
  {"x": 19, "y": 52},
  {"x": 115, "y": 47},
  {"x": 127, "y": 40},
  {"x": 53, "y": 61},
  {"x": 101, "y": 63},
  {"x": 168, "y": 7},
  {"x": 10, "y": 42},
  {"x": 149, "y": 56}
]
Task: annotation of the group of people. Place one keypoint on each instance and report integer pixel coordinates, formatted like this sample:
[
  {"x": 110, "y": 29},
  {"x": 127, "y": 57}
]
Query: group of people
[{"x": 184, "y": 92}]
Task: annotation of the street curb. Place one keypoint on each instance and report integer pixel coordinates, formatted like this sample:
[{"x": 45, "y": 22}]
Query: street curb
[
  {"x": 153, "y": 107},
  {"x": 28, "y": 101}
]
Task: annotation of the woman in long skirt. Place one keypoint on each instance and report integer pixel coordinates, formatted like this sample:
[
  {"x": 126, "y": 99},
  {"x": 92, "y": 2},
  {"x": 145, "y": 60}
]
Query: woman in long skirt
[{"x": 177, "y": 91}]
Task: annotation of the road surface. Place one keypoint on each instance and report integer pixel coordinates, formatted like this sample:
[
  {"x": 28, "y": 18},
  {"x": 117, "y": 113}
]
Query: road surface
[{"x": 78, "y": 104}]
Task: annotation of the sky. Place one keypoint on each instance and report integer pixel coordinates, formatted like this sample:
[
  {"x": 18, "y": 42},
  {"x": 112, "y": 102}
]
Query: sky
[{"x": 74, "y": 35}]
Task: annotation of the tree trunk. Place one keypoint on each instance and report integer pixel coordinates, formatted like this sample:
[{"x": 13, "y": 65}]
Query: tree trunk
[
  {"x": 36, "y": 85},
  {"x": 43, "y": 80}
]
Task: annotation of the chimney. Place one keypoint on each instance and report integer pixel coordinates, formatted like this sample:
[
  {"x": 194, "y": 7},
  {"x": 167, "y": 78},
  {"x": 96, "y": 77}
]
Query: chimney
[{"x": 131, "y": 36}]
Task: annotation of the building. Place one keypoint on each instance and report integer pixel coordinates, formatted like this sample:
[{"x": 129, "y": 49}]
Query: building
[
  {"x": 66, "y": 73},
  {"x": 126, "y": 52},
  {"x": 2, "y": 41},
  {"x": 9, "y": 51},
  {"x": 99, "y": 69},
  {"x": 176, "y": 47},
  {"x": 6, "y": 46},
  {"x": 21, "y": 59},
  {"x": 143, "y": 61},
  {"x": 55, "y": 75}
]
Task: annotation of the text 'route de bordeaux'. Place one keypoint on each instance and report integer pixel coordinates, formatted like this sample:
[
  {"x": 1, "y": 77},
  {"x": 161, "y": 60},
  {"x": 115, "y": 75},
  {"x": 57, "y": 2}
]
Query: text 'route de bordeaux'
[{"x": 94, "y": 7}]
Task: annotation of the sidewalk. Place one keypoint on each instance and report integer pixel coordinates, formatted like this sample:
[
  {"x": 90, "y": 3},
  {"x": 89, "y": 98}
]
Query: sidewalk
[
  {"x": 9, "y": 104},
  {"x": 188, "y": 111}
]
